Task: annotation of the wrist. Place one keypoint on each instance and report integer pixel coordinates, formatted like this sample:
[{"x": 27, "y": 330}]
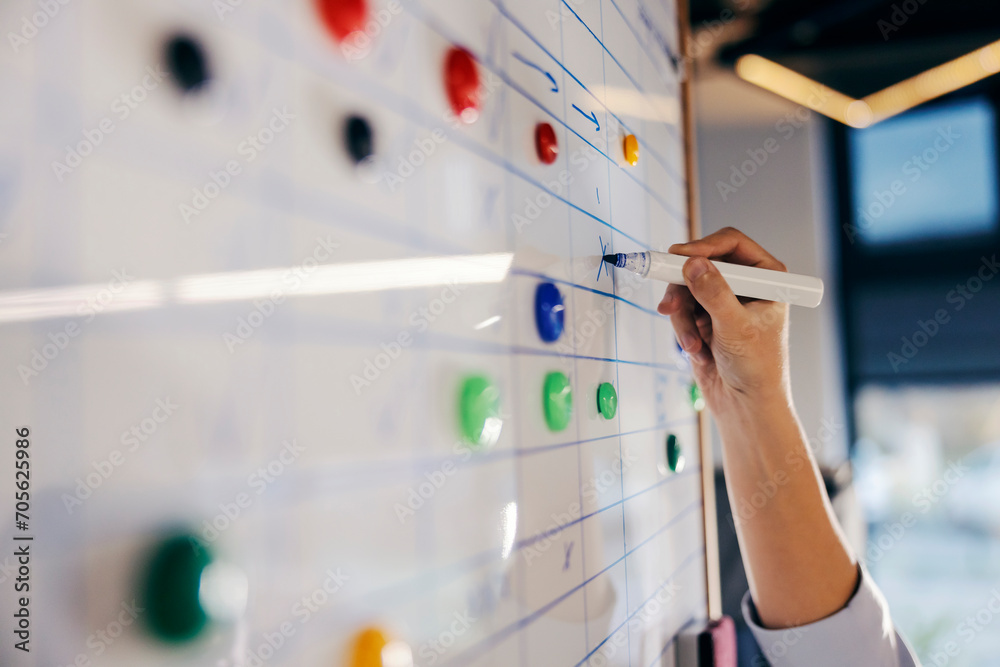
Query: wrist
[
  {"x": 754, "y": 425},
  {"x": 755, "y": 410}
]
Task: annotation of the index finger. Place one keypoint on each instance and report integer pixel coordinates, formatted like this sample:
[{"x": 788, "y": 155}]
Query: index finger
[{"x": 729, "y": 245}]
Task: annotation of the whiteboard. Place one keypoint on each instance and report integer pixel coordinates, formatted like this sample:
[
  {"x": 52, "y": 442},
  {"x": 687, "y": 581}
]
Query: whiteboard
[{"x": 213, "y": 322}]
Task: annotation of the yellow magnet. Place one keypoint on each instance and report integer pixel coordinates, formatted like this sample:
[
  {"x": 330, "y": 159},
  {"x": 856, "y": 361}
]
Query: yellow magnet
[
  {"x": 631, "y": 150},
  {"x": 368, "y": 647}
]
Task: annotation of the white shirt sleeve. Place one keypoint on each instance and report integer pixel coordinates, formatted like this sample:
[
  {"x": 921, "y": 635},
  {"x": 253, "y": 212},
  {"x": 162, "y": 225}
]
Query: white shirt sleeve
[{"x": 862, "y": 633}]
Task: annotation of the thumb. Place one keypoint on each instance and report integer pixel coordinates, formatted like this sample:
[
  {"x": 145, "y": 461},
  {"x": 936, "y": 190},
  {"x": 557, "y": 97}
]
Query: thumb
[{"x": 711, "y": 290}]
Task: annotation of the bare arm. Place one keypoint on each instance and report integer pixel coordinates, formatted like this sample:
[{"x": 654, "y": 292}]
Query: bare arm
[{"x": 798, "y": 564}]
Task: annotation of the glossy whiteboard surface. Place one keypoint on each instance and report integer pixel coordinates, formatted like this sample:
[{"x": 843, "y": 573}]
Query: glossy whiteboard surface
[{"x": 231, "y": 335}]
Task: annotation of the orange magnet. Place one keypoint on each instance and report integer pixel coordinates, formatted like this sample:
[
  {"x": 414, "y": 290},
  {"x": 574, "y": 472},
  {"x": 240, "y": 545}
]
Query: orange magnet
[
  {"x": 368, "y": 648},
  {"x": 631, "y": 146}
]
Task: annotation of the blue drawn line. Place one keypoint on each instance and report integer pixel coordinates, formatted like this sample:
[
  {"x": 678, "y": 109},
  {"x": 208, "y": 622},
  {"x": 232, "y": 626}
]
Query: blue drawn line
[
  {"x": 670, "y": 643},
  {"x": 598, "y": 190},
  {"x": 552, "y": 79},
  {"x": 592, "y": 117},
  {"x": 500, "y": 7},
  {"x": 565, "y": 123},
  {"x": 504, "y": 76},
  {"x": 628, "y": 74},
  {"x": 495, "y": 27},
  {"x": 616, "y": 297},
  {"x": 624, "y": 624},
  {"x": 484, "y": 645},
  {"x": 489, "y": 203},
  {"x": 604, "y": 251},
  {"x": 662, "y": 41}
]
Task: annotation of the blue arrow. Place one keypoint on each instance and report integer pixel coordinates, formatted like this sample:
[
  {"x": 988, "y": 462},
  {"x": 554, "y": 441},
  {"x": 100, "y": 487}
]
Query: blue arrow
[
  {"x": 592, "y": 117},
  {"x": 552, "y": 79}
]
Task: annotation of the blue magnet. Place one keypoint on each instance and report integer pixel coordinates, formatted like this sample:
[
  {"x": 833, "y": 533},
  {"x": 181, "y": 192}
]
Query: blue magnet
[{"x": 550, "y": 314}]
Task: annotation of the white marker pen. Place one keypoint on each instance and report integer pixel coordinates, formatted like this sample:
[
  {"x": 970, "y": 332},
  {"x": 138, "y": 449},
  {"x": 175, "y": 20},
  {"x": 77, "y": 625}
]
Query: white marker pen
[{"x": 745, "y": 281}]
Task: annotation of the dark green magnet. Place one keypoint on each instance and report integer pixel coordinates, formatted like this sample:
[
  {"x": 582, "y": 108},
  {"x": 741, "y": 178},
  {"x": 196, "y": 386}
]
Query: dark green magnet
[{"x": 171, "y": 588}]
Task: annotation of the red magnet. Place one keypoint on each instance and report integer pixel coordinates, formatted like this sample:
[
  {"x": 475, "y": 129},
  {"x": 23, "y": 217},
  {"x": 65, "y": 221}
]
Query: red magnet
[
  {"x": 343, "y": 17},
  {"x": 461, "y": 77},
  {"x": 546, "y": 143}
]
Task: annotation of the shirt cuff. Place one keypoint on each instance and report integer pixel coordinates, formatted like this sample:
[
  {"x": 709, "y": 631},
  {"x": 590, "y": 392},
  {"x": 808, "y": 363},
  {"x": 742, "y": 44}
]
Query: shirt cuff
[{"x": 861, "y": 633}]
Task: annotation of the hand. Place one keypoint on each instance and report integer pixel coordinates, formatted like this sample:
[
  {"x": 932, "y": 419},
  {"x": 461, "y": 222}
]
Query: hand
[
  {"x": 739, "y": 353},
  {"x": 739, "y": 347}
]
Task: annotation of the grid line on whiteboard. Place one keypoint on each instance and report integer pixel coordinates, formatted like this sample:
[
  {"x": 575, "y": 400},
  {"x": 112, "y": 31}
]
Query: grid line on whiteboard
[
  {"x": 503, "y": 74},
  {"x": 485, "y": 643}
]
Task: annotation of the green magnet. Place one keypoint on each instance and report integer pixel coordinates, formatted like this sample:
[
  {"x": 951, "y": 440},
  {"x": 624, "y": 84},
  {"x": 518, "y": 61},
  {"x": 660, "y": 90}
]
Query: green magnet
[
  {"x": 479, "y": 411},
  {"x": 557, "y": 399},
  {"x": 172, "y": 588},
  {"x": 607, "y": 400},
  {"x": 697, "y": 400},
  {"x": 675, "y": 459}
]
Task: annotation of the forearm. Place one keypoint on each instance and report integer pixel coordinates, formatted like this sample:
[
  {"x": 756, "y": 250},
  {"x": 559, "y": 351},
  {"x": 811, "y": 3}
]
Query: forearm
[{"x": 798, "y": 564}]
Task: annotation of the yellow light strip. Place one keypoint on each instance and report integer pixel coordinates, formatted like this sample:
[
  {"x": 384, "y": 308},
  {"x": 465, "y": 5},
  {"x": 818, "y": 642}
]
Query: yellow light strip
[
  {"x": 801, "y": 89},
  {"x": 935, "y": 82},
  {"x": 894, "y": 100}
]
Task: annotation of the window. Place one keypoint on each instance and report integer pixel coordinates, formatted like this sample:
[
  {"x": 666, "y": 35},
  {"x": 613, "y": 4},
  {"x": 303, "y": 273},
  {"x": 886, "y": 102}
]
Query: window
[
  {"x": 927, "y": 471},
  {"x": 926, "y": 175}
]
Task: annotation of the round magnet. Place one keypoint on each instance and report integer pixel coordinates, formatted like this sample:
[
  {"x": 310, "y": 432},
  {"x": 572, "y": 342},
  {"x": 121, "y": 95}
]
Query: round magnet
[
  {"x": 607, "y": 400},
  {"x": 187, "y": 63},
  {"x": 343, "y": 17},
  {"x": 631, "y": 147},
  {"x": 358, "y": 139},
  {"x": 479, "y": 411},
  {"x": 172, "y": 588},
  {"x": 557, "y": 401},
  {"x": 546, "y": 143},
  {"x": 461, "y": 77},
  {"x": 697, "y": 400},
  {"x": 367, "y": 648},
  {"x": 675, "y": 457},
  {"x": 550, "y": 313}
]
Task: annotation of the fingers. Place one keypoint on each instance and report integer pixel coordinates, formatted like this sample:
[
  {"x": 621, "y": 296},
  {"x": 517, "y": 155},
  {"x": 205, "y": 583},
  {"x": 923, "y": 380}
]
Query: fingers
[
  {"x": 674, "y": 299},
  {"x": 730, "y": 245},
  {"x": 704, "y": 324},
  {"x": 680, "y": 306},
  {"x": 713, "y": 293}
]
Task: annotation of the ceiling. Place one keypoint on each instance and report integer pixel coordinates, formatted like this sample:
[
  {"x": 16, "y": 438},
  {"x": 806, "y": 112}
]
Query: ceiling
[{"x": 856, "y": 47}]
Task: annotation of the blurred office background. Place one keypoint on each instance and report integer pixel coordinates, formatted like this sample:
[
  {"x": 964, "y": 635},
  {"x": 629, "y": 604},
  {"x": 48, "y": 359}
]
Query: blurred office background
[{"x": 897, "y": 375}]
